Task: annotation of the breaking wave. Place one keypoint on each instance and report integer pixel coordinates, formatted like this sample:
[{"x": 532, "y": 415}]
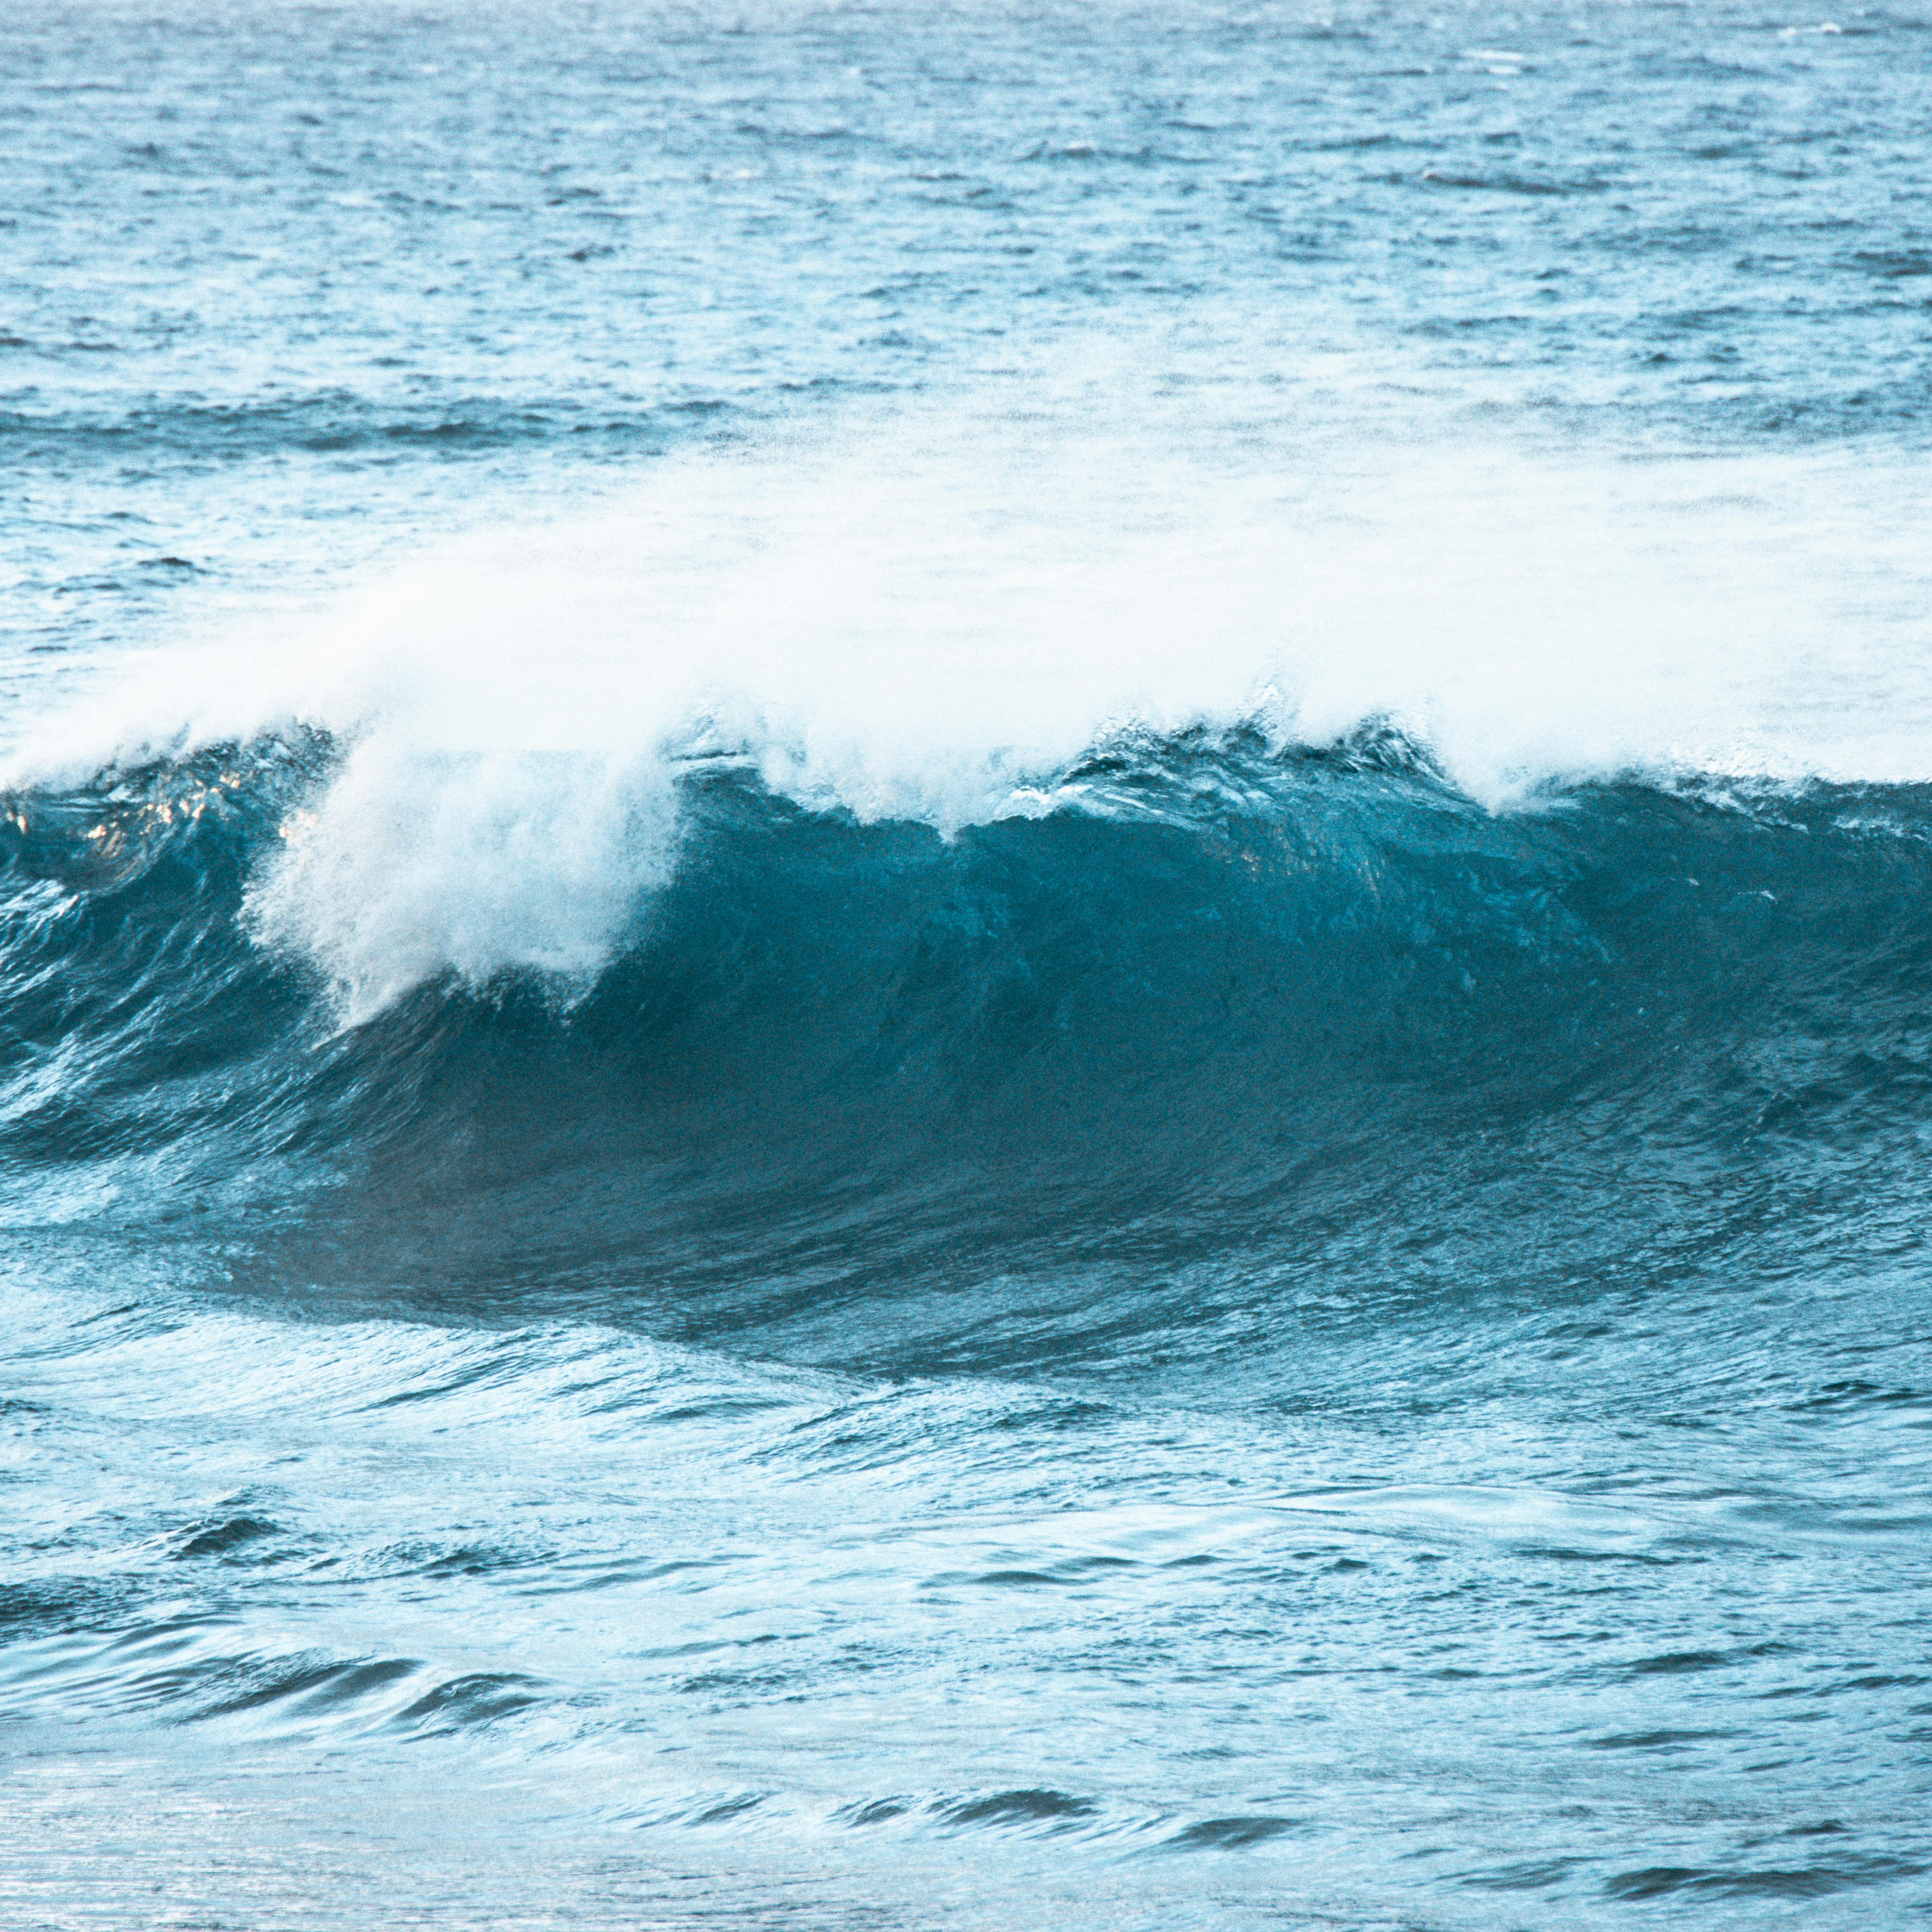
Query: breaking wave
[
  {"x": 1219, "y": 985},
  {"x": 831, "y": 862}
]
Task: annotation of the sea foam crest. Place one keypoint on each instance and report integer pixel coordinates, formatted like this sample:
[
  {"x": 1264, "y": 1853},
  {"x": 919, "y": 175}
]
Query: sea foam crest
[{"x": 930, "y": 621}]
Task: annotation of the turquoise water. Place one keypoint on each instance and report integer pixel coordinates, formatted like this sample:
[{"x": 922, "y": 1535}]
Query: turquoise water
[{"x": 964, "y": 967}]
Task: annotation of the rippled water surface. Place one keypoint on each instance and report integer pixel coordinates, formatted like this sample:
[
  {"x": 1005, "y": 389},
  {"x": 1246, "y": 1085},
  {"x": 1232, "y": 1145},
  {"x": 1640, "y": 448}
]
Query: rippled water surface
[{"x": 965, "y": 967}]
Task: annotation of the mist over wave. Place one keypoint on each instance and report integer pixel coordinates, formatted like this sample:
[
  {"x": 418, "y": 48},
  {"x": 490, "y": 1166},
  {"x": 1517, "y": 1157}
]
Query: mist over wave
[{"x": 930, "y": 622}]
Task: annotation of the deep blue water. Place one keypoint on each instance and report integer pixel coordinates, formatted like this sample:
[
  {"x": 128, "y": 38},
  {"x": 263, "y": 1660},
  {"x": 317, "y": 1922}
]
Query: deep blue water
[{"x": 965, "y": 967}]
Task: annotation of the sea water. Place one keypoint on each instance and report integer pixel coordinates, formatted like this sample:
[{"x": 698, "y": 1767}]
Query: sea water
[{"x": 965, "y": 966}]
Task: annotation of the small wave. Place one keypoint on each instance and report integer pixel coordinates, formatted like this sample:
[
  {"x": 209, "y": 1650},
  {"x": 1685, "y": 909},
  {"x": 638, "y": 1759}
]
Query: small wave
[
  {"x": 223, "y": 1534},
  {"x": 190, "y": 1669},
  {"x": 1036, "y": 1809},
  {"x": 1818, "y": 1880},
  {"x": 1231, "y": 1833}
]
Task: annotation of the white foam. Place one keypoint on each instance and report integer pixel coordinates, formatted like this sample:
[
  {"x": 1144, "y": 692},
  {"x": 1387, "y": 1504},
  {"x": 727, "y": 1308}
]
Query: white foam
[{"x": 920, "y": 619}]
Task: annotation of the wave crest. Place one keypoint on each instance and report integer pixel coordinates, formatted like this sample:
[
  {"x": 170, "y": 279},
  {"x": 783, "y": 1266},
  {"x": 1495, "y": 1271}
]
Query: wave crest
[{"x": 935, "y": 622}]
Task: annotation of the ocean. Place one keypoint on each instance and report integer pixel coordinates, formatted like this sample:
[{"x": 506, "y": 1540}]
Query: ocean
[{"x": 965, "y": 965}]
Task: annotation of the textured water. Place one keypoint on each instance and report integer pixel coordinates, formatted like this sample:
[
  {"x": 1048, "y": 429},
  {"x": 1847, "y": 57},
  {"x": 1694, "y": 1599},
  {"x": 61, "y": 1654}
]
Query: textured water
[{"x": 965, "y": 967}]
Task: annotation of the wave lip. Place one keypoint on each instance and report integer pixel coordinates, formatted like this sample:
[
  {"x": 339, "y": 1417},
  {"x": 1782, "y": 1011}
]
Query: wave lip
[{"x": 933, "y": 620}]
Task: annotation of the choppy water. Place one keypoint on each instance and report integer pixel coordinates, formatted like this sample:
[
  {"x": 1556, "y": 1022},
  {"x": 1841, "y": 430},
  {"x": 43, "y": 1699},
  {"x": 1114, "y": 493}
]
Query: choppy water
[{"x": 965, "y": 967}]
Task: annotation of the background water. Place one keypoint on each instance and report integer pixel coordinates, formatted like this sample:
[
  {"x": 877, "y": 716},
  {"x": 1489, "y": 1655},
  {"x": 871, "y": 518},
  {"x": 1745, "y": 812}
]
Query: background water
[{"x": 965, "y": 967}]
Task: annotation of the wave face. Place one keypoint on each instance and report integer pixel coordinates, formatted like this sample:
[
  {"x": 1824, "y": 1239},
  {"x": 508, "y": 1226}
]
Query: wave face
[{"x": 1218, "y": 999}]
